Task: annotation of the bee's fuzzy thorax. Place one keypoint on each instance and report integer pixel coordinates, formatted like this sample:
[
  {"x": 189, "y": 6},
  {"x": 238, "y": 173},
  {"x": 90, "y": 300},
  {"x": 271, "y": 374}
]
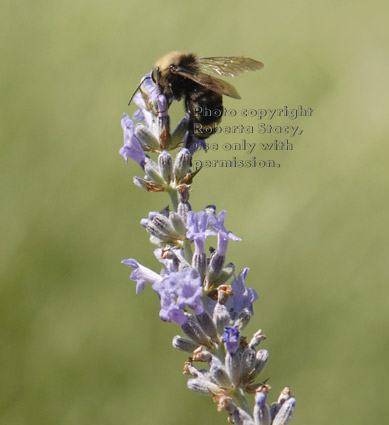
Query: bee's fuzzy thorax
[{"x": 176, "y": 58}]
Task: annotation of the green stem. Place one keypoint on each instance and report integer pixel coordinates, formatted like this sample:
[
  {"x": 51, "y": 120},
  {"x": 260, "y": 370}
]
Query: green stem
[
  {"x": 188, "y": 251},
  {"x": 205, "y": 302},
  {"x": 173, "y": 198},
  {"x": 219, "y": 352},
  {"x": 240, "y": 400}
]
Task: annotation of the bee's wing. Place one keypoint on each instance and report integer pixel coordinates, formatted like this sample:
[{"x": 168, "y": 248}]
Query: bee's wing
[
  {"x": 209, "y": 82},
  {"x": 230, "y": 66}
]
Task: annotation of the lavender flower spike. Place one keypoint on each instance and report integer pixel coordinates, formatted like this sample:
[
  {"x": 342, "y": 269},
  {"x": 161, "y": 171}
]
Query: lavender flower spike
[{"x": 196, "y": 290}]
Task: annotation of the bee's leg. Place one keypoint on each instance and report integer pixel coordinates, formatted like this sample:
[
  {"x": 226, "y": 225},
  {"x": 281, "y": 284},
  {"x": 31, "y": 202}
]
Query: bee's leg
[{"x": 146, "y": 98}]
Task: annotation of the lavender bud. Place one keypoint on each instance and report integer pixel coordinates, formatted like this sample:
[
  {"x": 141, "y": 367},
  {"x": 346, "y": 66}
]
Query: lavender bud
[
  {"x": 189, "y": 369},
  {"x": 248, "y": 361},
  {"x": 285, "y": 395},
  {"x": 261, "y": 360},
  {"x": 233, "y": 363},
  {"x": 183, "y": 209},
  {"x": 227, "y": 271},
  {"x": 215, "y": 267},
  {"x": 165, "y": 226},
  {"x": 244, "y": 318},
  {"x": 199, "y": 263},
  {"x": 257, "y": 338},
  {"x": 207, "y": 324},
  {"x": 219, "y": 373},
  {"x": 202, "y": 386},
  {"x": 156, "y": 232},
  {"x": 182, "y": 164},
  {"x": 146, "y": 137},
  {"x": 184, "y": 344},
  {"x": 161, "y": 228},
  {"x": 178, "y": 224},
  {"x": 274, "y": 409},
  {"x": 179, "y": 132},
  {"x": 193, "y": 331},
  {"x": 165, "y": 163},
  {"x": 156, "y": 241},
  {"x": 201, "y": 354},
  {"x": 221, "y": 317},
  {"x": 237, "y": 415},
  {"x": 152, "y": 171},
  {"x": 261, "y": 410},
  {"x": 206, "y": 374},
  {"x": 285, "y": 413},
  {"x": 241, "y": 417}
]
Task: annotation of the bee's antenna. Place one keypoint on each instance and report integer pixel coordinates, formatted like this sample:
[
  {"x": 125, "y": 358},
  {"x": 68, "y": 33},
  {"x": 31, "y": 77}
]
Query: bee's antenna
[{"x": 133, "y": 94}]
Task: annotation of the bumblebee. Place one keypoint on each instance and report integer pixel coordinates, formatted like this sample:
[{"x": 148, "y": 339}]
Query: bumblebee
[{"x": 182, "y": 75}]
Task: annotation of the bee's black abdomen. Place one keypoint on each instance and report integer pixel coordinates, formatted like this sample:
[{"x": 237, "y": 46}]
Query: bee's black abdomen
[{"x": 205, "y": 108}]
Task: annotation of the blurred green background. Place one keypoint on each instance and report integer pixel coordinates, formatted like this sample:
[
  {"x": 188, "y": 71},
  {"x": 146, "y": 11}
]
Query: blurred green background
[{"x": 77, "y": 345}]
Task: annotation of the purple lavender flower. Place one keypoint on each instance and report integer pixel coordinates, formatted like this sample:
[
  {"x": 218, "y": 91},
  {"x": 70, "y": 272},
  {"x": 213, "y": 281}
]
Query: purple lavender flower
[
  {"x": 155, "y": 111},
  {"x": 217, "y": 260},
  {"x": 155, "y": 96},
  {"x": 243, "y": 297},
  {"x": 231, "y": 338},
  {"x": 157, "y": 101},
  {"x": 141, "y": 274},
  {"x": 138, "y": 115},
  {"x": 131, "y": 147},
  {"x": 153, "y": 106},
  {"x": 178, "y": 291},
  {"x": 160, "y": 228},
  {"x": 197, "y": 229},
  {"x": 189, "y": 290},
  {"x": 170, "y": 311},
  {"x": 217, "y": 223}
]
